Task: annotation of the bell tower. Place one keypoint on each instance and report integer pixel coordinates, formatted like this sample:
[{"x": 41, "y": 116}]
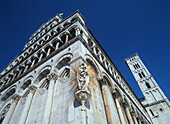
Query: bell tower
[{"x": 154, "y": 99}]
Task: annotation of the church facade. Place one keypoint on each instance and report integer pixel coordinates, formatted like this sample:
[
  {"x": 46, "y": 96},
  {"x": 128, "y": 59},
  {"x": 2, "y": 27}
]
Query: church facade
[{"x": 64, "y": 76}]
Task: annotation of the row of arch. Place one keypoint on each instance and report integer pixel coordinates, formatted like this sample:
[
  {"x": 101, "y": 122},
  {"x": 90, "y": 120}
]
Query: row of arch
[
  {"x": 52, "y": 30},
  {"x": 49, "y": 47},
  {"x": 130, "y": 114},
  {"x": 62, "y": 62},
  {"x": 137, "y": 117},
  {"x": 110, "y": 67},
  {"x": 39, "y": 81}
]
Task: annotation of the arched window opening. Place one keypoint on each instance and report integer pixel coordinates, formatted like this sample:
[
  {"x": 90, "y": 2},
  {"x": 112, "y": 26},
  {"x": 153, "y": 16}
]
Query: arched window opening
[
  {"x": 138, "y": 65},
  {"x": 66, "y": 24},
  {"x": 30, "y": 50},
  {"x": 65, "y": 38},
  {"x": 25, "y": 54},
  {"x": 106, "y": 81},
  {"x": 73, "y": 20},
  {"x": 8, "y": 94},
  {"x": 45, "y": 84},
  {"x": 140, "y": 75},
  {"x": 42, "y": 75},
  {"x": 81, "y": 32},
  {"x": 53, "y": 33},
  {"x": 143, "y": 74},
  {"x": 134, "y": 66},
  {"x": 147, "y": 85},
  {"x": 90, "y": 43},
  {"x": 91, "y": 63},
  {"x": 73, "y": 32},
  {"x": 26, "y": 84},
  {"x": 47, "y": 38},
  {"x": 59, "y": 29},
  {"x": 41, "y": 42},
  {"x": 49, "y": 50},
  {"x": 4, "y": 112},
  {"x": 63, "y": 62},
  {"x": 65, "y": 73},
  {"x": 35, "y": 46}
]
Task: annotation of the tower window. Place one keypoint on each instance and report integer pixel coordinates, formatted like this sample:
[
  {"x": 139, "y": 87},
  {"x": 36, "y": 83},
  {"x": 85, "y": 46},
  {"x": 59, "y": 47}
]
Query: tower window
[
  {"x": 136, "y": 66},
  {"x": 143, "y": 74},
  {"x": 140, "y": 75},
  {"x": 147, "y": 85}
]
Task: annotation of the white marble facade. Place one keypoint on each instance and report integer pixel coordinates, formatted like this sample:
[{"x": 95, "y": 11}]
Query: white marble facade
[{"x": 37, "y": 87}]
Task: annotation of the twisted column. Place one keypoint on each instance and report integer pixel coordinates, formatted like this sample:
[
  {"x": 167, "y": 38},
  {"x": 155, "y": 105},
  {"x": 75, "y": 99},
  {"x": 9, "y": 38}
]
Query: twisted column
[
  {"x": 25, "y": 111},
  {"x": 11, "y": 110},
  {"x": 48, "y": 105}
]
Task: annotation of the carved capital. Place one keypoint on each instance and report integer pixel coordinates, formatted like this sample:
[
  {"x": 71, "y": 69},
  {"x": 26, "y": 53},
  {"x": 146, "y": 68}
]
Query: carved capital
[
  {"x": 124, "y": 104},
  {"x": 16, "y": 98},
  {"x": 102, "y": 82},
  {"x": 115, "y": 94},
  {"x": 32, "y": 89},
  {"x": 52, "y": 76}
]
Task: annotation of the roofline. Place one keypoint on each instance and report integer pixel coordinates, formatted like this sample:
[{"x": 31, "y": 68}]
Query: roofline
[{"x": 136, "y": 54}]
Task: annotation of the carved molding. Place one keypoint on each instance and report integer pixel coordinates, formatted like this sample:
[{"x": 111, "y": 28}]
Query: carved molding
[
  {"x": 32, "y": 89},
  {"x": 16, "y": 98},
  {"x": 52, "y": 76}
]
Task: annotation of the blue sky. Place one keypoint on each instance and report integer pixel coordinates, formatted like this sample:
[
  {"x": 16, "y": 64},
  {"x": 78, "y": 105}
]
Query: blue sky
[{"x": 122, "y": 27}]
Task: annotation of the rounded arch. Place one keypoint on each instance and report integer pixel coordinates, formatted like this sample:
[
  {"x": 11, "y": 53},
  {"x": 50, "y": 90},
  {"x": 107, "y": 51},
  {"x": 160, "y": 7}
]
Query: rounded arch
[
  {"x": 92, "y": 63},
  {"x": 116, "y": 89},
  {"x": 64, "y": 60},
  {"x": 107, "y": 79},
  {"x": 64, "y": 71},
  {"x": 125, "y": 100},
  {"x": 8, "y": 93},
  {"x": 42, "y": 74},
  {"x": 4, "y": 111},
  {"x": 26, "y": 82}
]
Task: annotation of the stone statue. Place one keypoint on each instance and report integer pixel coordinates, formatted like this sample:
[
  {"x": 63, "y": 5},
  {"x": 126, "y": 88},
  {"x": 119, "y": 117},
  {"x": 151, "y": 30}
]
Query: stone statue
[
  {"x": 83, "y": 92},
  {"x": 83, "y": 78}
]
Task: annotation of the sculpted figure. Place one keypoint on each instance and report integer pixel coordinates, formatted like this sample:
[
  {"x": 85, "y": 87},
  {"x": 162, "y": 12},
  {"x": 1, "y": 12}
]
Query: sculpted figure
[{"x": 83, "y": 78}]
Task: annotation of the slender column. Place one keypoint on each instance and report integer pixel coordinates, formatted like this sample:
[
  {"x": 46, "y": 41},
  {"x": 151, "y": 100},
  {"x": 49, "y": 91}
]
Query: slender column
[
  {"x": 16, "y": 71},
  {"x": 20, "y": 71},
  {"x": 128, "y": 114},
  {"x": 134, "y": 118},
  {"x": 95, "y": 51},
  {"x": 9, "y": 79},
  {"x": 48, "y": 52},
  {"x": 49, "y": 99},
  {"x": 40, "y": 57},
  {"x": 27, "y": 105},
  {"x": 77, "y": 31},
  {"x": 140, "y": 122},
  {"x": 66, "y": 38},
  {"x": 7, "y": 118},
  {"x": 109, "y": 104},
  {"x": 122, "y": 119},
  {"x": 57, "y": 45},
  {"x": 33, "y": 62},
  {"x": 26, "y": 67}
]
